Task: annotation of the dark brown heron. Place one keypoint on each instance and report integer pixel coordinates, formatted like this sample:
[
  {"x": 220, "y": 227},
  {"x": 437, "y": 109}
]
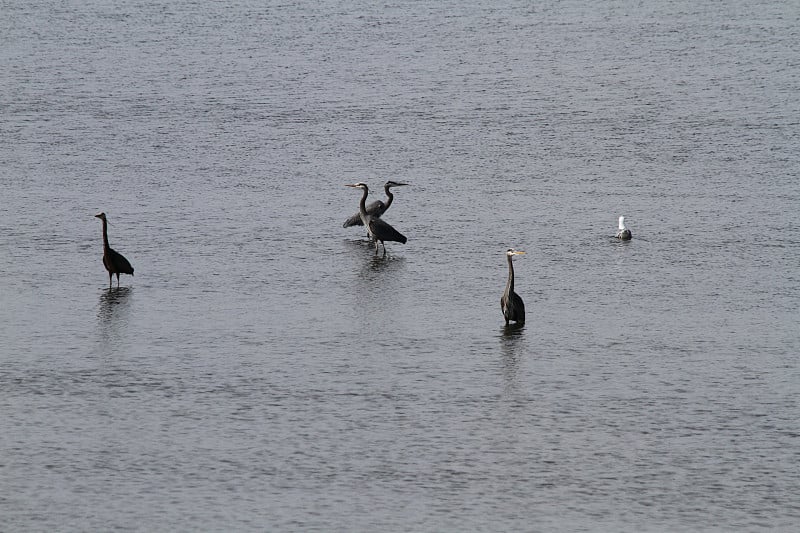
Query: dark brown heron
[
  {"x": 624, "y": 234},
  {"x": 377, "y": 228},
  {"x": 114, "y": 262},
  {"x": 510, "y": 302},
  {"x": 376, "y": 208}
]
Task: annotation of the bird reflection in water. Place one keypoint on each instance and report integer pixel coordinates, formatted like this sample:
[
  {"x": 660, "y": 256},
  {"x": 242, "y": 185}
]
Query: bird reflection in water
[
  {"x": 112, "y": 314},
  {"x": 113, "y": 299},
  {"x": 381, "y": 263},
  {"x": 513, "y": 330},
  {"x": 512, "y": 345}
]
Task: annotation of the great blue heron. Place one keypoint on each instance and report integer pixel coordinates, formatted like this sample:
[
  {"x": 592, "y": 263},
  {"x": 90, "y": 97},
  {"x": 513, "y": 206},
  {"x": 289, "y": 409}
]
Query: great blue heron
[
  {"x": 377, "y": 228},
  {"x": 624, "y": 233},
  {"x": 510, "y": 302},
  {"x": 114, "y": 262},
  {"x": 376, "y": 208}
]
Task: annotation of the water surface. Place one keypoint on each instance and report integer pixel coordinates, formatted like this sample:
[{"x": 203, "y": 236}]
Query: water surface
[{"x": 265, "y": 370}]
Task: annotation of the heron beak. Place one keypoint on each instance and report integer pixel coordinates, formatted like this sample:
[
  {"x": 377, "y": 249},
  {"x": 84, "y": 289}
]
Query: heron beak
[
  {"x": 518, "y": 252},
  {"x": 350, "y": 185}
]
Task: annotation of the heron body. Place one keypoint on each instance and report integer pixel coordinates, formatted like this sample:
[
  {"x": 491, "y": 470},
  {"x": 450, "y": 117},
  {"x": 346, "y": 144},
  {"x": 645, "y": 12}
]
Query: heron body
[
  {"x": 511, "y": 303},
  {"x": 624, "y": 234},
  {"x": 376, "y": 208},
  {"x": 114, "y": 261},
  {"x": 378, "y": 229}
]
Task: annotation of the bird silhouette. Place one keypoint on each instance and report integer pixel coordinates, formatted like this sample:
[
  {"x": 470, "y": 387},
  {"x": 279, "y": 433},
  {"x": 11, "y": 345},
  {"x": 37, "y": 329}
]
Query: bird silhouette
[
  {"x": 511, "y": 303},
  {"x": 114, "y": 262},
  {"x": 377, "y": 228},
  {"x": 376, "y": 208}
]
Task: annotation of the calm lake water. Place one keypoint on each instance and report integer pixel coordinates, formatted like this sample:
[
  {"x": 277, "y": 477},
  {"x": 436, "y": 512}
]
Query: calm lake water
[{"x": 265, "y": 371}]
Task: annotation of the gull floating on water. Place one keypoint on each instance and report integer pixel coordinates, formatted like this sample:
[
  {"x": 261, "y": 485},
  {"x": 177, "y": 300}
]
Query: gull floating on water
[{"x": 624, "y": 233}]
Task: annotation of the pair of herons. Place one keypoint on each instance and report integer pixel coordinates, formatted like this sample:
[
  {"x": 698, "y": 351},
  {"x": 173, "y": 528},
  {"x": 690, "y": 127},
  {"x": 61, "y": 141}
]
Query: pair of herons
[{"x": 369, "y": 216}]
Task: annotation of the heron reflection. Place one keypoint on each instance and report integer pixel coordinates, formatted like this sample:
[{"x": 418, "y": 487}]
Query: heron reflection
[{"x": 111, "y": 299}]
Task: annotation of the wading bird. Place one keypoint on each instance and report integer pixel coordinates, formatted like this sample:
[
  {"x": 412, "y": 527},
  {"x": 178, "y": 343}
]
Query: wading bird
[
  {"x": 113, "y": 261},
  {"x": 376, "y": 208},
  {"x": 377, "y": 228},
  {"x": 624, "y": 233},
  {"x": 510, "y": 302}
]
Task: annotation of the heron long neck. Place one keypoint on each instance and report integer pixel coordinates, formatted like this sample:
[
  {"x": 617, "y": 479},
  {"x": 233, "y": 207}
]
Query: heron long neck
[
  {"x": 105, "y": 234},
  {"x": 390, "y": 196},
  {"x": 362, "y": 207},
  {"x": 510, "y": 283}
]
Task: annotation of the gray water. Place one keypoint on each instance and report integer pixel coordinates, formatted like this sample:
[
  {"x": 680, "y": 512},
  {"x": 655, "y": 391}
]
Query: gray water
[{"x": 264, "y": 370}]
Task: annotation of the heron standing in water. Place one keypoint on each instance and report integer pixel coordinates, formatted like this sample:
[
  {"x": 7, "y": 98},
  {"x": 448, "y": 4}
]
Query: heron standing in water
[
  {"x": 376, "y": 208},
  {"x": 510, "y": 302},
  {"x": 114, "y": 262},
  {"x": 377, "y": 228}
]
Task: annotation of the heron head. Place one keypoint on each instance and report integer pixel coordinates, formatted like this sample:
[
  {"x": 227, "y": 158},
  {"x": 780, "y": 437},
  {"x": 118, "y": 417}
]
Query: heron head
[
  {"x": 101, "y": 216},
  {"x": 359, "y": 185},
  {"x": 390, "y": 184},
  {"x": 512, "y": 251}
]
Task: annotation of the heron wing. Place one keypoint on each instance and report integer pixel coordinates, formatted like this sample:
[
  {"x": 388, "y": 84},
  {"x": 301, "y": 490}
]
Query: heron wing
[
  {"x": 384, "y": 232},
  {"x": 354, "y": 220},
  {"x": 375, "y": 209},
  {"x": 513, "y": 307},
  {"x": 119, "y": 263}
]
